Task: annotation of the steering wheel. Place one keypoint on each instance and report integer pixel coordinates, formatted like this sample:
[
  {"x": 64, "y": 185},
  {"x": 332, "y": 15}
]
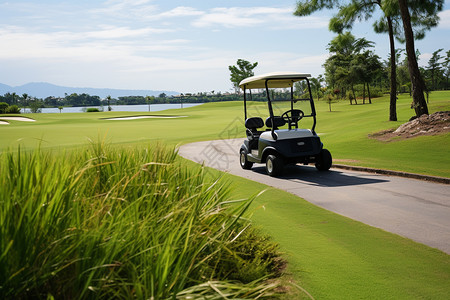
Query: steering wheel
[{"x": 292, "y": 116}]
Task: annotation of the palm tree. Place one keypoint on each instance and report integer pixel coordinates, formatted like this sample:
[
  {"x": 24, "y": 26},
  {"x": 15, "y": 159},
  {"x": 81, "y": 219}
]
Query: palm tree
[
  {"x": 346, "y": 62},
  {"x": 108, "y": 98},
  {"x": 25, "y": 97}
]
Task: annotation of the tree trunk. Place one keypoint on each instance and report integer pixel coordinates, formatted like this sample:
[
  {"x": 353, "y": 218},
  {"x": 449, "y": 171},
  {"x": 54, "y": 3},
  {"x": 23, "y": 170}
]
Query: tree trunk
[
  {"x": 364, "y": 93},
  {"x": 420, "y": 106},
  {"x": 368, "y": 92},
  {"x": 393, "y": 95},
  {"x": 354, "y": 95}
]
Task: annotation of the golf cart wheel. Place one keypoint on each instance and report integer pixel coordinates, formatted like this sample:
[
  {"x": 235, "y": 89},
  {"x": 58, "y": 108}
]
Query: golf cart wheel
[
  {"x": 274, "y": 165},
  {"x": 245, "y": 164},
  {"x": 324, "y": 160}
]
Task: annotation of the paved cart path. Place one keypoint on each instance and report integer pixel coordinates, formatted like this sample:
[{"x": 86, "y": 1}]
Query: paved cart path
[{"x": 418, "y": 210}]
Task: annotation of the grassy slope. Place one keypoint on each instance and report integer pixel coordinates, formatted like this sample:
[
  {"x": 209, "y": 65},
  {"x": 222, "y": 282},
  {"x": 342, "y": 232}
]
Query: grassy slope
[{"x": 331, "y": 256}]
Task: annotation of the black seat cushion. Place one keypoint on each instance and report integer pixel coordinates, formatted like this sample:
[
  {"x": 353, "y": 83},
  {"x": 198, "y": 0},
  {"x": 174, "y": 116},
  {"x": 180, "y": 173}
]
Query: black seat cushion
[
  {"x": 279, "y": 121},
  {"x": 253, "y": 123}
]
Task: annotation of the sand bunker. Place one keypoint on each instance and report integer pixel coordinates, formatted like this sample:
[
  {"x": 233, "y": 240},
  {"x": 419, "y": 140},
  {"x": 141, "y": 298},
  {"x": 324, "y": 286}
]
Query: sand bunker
[
  {"x": 4, "y": 123},
  {"x": 22, "y": 119},
  {"x": 146, "y": 117}
]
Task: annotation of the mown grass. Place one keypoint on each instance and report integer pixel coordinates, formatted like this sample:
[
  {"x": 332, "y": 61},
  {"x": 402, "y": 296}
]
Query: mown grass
[
  {"x": 344, "y": 131},
  {"x": 111, "y": 222}
]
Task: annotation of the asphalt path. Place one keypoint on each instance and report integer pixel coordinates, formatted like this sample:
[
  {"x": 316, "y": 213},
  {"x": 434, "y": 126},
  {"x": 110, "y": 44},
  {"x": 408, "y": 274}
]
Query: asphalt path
[{"x": 415, "y": 209}]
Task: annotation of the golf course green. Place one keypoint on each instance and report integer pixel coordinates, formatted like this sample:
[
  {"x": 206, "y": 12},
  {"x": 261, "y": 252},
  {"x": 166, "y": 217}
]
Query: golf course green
[{"x": 329, "y": 256}]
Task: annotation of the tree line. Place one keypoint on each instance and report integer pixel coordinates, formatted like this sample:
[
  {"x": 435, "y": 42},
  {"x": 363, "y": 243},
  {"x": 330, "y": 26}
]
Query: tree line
[
  {"x": 13, "y": 103},
  {"x": 352, "y": 66}
]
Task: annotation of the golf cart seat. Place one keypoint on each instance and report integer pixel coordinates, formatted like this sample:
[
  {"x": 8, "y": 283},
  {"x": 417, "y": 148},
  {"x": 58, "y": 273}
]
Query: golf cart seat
[
  {"x": 279, "y": 122},
  {"x": 252, "y": 125}
]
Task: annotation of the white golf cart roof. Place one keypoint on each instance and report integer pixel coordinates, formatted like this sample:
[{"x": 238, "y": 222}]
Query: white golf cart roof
[{"x": 277, "y": 80}]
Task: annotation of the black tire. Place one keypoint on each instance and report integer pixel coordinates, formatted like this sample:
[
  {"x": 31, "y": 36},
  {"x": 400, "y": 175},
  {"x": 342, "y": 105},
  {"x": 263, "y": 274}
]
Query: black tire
[
  {"x": 324, "y": 160},
  {"x": 245, "y": 164},
  {"x": 274, "y": 165}
]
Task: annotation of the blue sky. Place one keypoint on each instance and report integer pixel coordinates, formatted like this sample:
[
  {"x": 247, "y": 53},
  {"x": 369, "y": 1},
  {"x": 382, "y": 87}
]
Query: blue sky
[{"x": 185, "y": 46}]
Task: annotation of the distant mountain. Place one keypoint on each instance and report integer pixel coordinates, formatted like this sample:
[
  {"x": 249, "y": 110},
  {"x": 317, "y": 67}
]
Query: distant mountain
[{"x": 44, "y": 90}]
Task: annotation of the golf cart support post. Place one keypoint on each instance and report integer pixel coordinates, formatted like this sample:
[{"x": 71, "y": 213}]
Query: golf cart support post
[{"x": 274, "y": 146}]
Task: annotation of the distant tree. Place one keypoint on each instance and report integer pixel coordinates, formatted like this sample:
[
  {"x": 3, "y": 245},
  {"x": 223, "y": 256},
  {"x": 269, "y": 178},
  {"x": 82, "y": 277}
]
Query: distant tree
[
  {"x": 150, "y": 100},
  {"x": 14, "y": 99},
  {"x": 108, "y": 98},
  {"x": 3, "y": 107},
  {"x": 403, "y": 78},
  {"x": 446, "y": 66},
  {"x": 435, "y": 68},
  {"x": 347, "y": 61},
  {"x": 36, "y": 106},
  {"x": 242, "y": 70},
  {"x": 316, "y": 84},
  {"x": 162, "y": 95},
  {"x": 363, "y": 68},
  {"x": 82, "y": 100},
  {"x": 60, "y": 108},
  {"x": 24, "y": 97}
]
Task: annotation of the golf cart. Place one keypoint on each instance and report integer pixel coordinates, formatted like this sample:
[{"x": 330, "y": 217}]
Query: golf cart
[{"x": 289, "y": 101}]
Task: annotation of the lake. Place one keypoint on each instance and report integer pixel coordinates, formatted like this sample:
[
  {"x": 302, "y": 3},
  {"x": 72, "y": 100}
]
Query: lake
[{"x": 143, "y": 108}]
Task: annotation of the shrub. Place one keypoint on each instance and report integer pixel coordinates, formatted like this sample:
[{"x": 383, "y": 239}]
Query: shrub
[
  {"x": 13, "y": 109},
  {"x": 3, "y": 107},
  {"x": 92, "y": 109},
  {"x": 124, "y": 223},
  {"x": 36, "y": 106}
]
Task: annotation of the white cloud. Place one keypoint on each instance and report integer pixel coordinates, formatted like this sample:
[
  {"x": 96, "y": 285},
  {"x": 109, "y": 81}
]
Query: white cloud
[
  {"x": 290, "y": 61},
  {"x": 112, "y": 32},
  {"x": 127, "y": 9},
  {"x": 180, "y": 11},
  {"x": 108, "y": 44},
  {"x": 274, "y": 18},
  {"x": 236, "y": 16},
  {"x": 444, "y": 22}
]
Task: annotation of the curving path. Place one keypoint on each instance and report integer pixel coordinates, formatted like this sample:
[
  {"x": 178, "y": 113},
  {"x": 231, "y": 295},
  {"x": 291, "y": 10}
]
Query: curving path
[{"x": 418, "y": 210}]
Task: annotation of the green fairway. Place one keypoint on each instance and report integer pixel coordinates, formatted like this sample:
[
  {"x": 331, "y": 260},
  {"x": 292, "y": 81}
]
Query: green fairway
[
  {"x": 344, "y": 131},
  {"x": 331, "y": 256},
  {"x": 74, "y": 129}
]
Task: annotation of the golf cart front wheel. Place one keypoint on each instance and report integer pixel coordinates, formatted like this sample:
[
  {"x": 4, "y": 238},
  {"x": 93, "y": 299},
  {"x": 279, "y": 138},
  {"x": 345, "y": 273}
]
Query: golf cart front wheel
[
  {"x": 324, "y": 160},
  {"x": 245, "y": 164},
  {"x": 274, "y": 165}
]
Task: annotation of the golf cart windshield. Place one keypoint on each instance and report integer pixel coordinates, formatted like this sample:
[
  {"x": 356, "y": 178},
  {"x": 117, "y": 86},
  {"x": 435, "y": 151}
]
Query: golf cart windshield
[{"x": 280, "y": 96}]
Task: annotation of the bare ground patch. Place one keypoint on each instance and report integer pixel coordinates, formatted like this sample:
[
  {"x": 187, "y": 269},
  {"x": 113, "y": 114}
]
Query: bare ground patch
[{"x": 433, "y": 124}]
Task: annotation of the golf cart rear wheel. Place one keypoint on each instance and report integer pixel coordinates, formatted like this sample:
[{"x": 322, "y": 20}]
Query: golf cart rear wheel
[
  {"x": 324, "y": 160},
  {"x": 245, "y": 164},
  {"x": 274, "y": 165}
]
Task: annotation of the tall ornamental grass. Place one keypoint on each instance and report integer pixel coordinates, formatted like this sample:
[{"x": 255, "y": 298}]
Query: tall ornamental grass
[{"x": 103, "y": 222}]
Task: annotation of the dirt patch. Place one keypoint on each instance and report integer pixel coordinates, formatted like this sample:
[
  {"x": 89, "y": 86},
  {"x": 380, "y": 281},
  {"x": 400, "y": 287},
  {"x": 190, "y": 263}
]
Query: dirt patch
[{"x": 433, "y": 124}]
